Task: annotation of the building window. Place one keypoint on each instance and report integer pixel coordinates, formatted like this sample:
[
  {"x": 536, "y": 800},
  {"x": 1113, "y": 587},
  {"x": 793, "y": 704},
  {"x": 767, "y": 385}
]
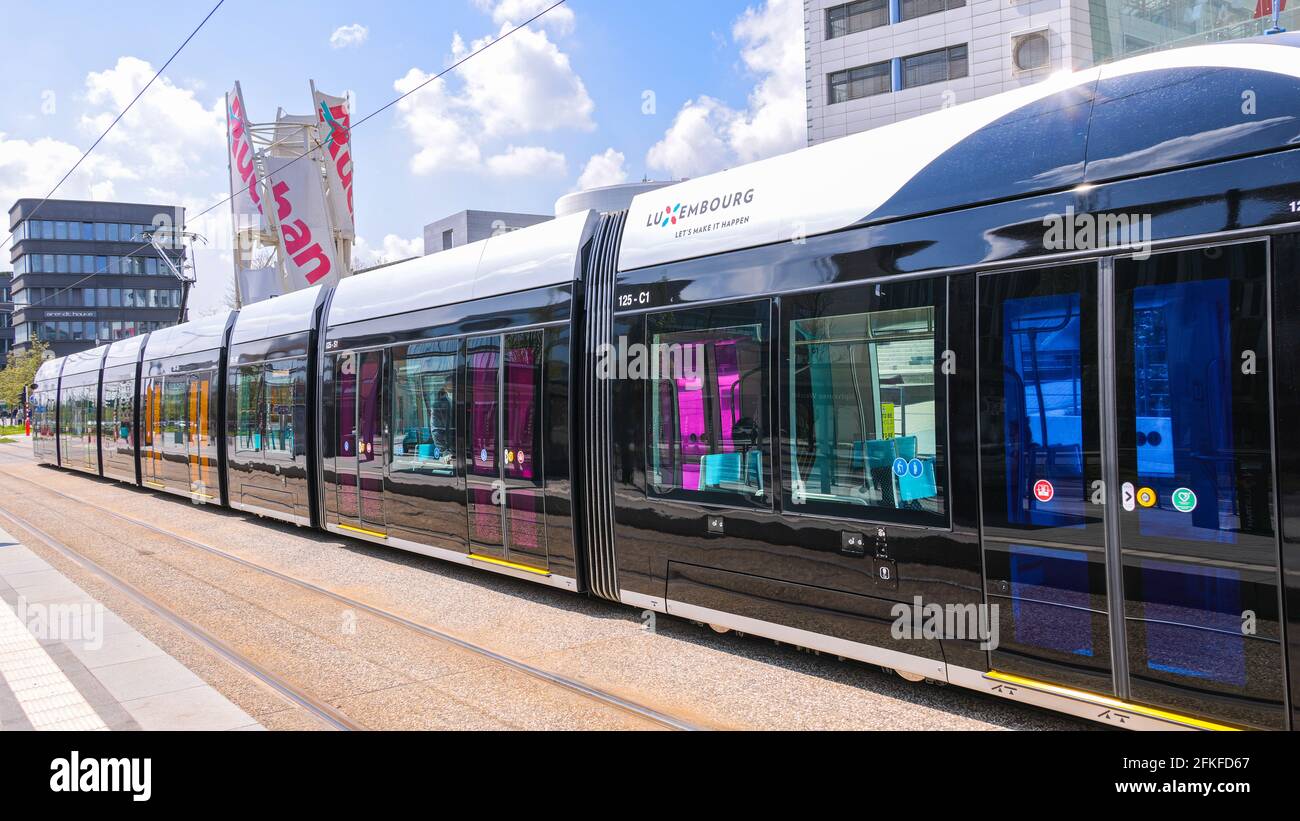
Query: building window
[
  {"x": 856, "y": 83},
  {"x": 448, "y": 240},
  {"x": 935, "y": 66},
  {"x": 851, "y": 18},
  {"x": 912, "y": 9}
]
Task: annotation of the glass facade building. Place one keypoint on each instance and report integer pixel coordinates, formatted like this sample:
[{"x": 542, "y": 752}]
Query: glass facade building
[{"x": 84, "y": 273}]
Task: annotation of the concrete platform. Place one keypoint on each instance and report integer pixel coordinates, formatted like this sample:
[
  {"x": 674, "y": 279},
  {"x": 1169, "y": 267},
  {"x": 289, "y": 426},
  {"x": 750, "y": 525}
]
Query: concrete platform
[{"x": 69, "y": 663}]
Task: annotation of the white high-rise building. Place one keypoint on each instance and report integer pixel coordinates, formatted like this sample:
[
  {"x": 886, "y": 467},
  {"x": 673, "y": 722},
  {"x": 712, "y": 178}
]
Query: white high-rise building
[{"x": 874, "y": 62}]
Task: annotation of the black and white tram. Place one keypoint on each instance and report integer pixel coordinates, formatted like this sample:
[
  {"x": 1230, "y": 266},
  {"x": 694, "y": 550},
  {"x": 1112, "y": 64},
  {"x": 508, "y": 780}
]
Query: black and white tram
[{"x": 1034, "y": 359}]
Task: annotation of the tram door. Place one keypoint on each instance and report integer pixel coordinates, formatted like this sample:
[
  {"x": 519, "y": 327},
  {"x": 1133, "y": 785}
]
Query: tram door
[
  {"x": 201, "y": 448},
  {"x": 505, "y": 485},
  {"x": 151, "y": 420},
  {"x": 361, "y": 454},
  {"x": 1129, "y": 528}
]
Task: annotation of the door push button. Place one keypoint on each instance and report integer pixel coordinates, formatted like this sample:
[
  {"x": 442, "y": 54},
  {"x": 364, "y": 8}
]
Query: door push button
[
  {"x": 887, "y": 574},
  {"x": 717, "y": 526},
  {"x": 853, "y": 544},
  {"x": 882, "y": 543}
]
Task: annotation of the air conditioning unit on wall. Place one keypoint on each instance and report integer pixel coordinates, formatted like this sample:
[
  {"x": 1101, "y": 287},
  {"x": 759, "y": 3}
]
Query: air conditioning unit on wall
[{"x": 1031, "y": 51}]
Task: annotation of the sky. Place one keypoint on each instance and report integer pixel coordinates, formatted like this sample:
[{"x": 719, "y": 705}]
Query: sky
[{"x": 595, "y": 93}]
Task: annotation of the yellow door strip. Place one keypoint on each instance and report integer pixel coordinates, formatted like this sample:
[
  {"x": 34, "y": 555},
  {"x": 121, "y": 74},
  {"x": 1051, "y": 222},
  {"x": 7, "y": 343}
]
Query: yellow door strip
[
  {"x": 364, "y": 532},
  {"x": 1107, "y": 701},
  {"x": 512, "y": 565}
]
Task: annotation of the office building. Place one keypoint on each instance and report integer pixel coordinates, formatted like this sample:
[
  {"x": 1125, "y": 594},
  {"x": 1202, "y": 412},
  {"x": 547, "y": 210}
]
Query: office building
[
  {"x": 875, "y": 62},
  {"x": 84, "y": 274},
  {"x": 6, "y": 317},
  {"x": 473, "y": 226}
]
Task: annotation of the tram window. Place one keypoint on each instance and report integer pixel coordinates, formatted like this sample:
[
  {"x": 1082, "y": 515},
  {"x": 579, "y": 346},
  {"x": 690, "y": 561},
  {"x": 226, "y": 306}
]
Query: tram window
[
  {"x": 710, "y": 440},
  {"x": 248, "y": 398},
  {"x": 175, "y": 414},
  {"x": 483, "y": 374},
  {"x": 286, "y": 407},
  {"x": 271, "y": 407},
  {"x": 864, "y": 437},
  {"x": 424, "y": 408},
  {"x": 523, "y": 406}
]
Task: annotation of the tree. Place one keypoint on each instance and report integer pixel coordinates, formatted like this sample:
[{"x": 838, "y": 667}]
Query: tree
[{"x": 20, "y": 373}]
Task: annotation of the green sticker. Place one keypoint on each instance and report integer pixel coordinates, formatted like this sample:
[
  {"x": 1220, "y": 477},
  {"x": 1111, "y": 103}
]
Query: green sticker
[{"x": 1184, "y": 500}]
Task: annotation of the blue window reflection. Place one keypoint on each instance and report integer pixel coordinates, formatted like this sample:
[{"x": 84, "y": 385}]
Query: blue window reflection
[
  {"x": 1050, "y": 599},
  {"x": 1044, "y": 413},
  {"x": 1193, "y": 621},
  {"x": 1184, "y": 368}
]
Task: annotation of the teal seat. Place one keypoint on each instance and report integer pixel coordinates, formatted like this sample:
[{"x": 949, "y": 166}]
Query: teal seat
[
  {"x": 906, "y": 446},
  {"x": 881, "y": 453},
  {"x": 913, "y": 488},
  {"x": 718, "y": 469}
]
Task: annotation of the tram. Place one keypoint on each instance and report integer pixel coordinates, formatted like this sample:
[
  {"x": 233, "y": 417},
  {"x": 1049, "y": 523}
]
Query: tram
[{"x": 1030, "y": 360}]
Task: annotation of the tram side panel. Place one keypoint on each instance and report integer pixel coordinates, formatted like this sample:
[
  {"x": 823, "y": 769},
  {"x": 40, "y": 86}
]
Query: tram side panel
[
  {"x": 118, "y": 425},
  {"x": 474, "y": 398},
  {"x": 1286, "y": 343},
  {"x": 44, "y": 400},
  {"x": 796, "y": 482},
  {"x": 180, "y": 425},
  {"x": 266, "y": 428},
  {"x": 78, "y": 432}
]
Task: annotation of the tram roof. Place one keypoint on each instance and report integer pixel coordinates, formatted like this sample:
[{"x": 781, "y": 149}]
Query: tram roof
[
  {"x": 546, "y": 254},
  {"x": 124, "y": 352},
  {"x": 204, "y": 334},
  {"x": 272, "y": 318},
  {"x": 1150, "y": 113},
  {"x": 49, "y": 370},
  {"x": 84, "y": 361}
]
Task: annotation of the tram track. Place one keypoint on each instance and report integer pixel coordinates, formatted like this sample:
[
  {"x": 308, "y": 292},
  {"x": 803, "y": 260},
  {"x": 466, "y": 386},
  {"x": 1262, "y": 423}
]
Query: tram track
[{"x": 322, "y": 711}]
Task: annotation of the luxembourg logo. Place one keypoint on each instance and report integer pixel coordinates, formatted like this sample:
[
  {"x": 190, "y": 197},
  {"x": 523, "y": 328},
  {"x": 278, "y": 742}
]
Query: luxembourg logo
[{"x": 681, "y": 211}]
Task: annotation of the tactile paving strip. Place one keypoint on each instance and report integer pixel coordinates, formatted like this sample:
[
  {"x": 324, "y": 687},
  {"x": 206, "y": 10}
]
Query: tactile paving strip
[{"x": 45, "y": 694}]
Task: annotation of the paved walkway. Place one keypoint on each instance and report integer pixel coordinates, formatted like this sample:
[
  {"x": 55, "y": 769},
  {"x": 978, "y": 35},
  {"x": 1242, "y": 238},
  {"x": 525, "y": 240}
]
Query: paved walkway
[{"x": 69, "y": 663}]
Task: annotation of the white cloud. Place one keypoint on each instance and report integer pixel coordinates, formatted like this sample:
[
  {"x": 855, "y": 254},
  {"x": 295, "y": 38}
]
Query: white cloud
[
  {"x": 437, "y": 125},
  {"x": 697, "y": 143},
  {"x": 167, "y": 136},
  {"x": 515, "y": 12},
  {"x": 348, "y": 36},
  {"x": 523, "y": 85},
  {"x": 603, "y": 169},
  {"x": 168, "y": 140},
  {"x": 393, "y": 249},
  {"x": 707, "y": 135},
  {"x": 528, "y": 161}
]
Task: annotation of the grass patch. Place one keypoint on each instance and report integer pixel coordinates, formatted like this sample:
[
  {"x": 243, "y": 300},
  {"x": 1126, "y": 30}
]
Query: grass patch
[{"x": 12, "y": 430}]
